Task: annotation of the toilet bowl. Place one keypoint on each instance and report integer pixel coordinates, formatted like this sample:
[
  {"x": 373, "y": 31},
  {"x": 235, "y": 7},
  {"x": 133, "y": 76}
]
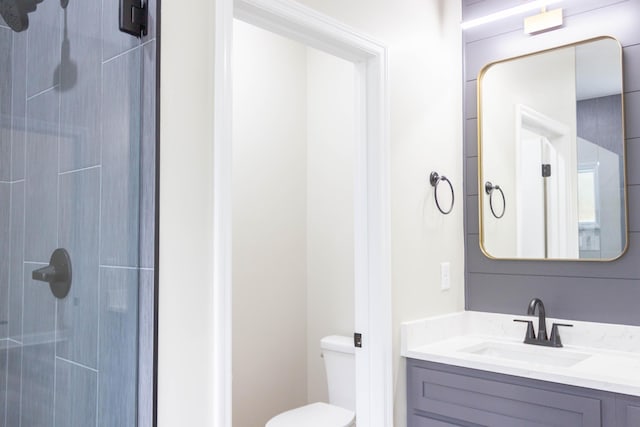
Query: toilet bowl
[
  {"x": 317, "y": 414},
  {"x": 339, "y": 363}
]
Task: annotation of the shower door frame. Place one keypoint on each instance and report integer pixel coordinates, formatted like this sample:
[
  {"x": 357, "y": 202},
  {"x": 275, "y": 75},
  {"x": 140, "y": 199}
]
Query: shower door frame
[{"x": 374, "y": 379}]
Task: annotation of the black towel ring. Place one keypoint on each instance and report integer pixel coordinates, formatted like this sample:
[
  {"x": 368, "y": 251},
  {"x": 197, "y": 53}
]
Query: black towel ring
[
  {"x": 435, "y": 179},
  {"x": 488, "y": 188}
]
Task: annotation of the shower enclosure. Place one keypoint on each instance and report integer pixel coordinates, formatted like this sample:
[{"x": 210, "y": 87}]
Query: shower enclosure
[{"x": 77, "y": 177}]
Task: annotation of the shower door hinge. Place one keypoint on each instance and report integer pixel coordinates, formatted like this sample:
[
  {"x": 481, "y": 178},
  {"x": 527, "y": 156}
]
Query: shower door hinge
[
  {"x": 546, "y": 170},
  {"x": 134, "y": 17},
  {"x": 357, "y": 340}
]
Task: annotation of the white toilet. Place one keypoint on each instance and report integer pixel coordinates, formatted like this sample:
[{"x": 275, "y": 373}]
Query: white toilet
[{"x": 339, "y": 363}]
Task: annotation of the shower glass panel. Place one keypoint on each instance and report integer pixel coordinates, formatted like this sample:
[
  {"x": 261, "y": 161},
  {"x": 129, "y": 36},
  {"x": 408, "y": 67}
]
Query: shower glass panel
[{"x": 77, "y": 168}]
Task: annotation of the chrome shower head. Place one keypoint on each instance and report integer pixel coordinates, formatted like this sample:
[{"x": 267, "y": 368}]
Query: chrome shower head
[{"x": 13, "y": 15}]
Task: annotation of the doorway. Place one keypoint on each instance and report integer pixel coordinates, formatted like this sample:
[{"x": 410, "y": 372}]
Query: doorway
[
  {"x": 292, "y": 235},
  {"x": 372, "y": 316},
  {"x": 545, "y": 176}
]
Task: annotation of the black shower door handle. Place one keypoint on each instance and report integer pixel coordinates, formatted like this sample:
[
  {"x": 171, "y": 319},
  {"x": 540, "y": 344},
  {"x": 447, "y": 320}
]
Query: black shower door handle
[{"x": 57, "y": 273}]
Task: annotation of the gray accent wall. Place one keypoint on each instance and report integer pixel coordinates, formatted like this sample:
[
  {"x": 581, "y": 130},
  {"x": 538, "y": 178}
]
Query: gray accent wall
[
  {"x": 77, "y": 170},
  {"x": 598, "y": 121},
  {"x": 593, "y": 291}
]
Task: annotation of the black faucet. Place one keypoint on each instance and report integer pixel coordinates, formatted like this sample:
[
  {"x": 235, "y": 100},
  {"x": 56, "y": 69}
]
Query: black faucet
[
  {"x": 542, "y": 317},
  {"x": 530, "y": 337}
]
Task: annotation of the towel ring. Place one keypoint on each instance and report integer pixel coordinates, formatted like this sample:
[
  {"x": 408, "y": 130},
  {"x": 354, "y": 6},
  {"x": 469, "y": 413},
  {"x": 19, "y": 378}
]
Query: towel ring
[
  {"x": 435, "y": 179},
  {"x": 488, "y": 188}
]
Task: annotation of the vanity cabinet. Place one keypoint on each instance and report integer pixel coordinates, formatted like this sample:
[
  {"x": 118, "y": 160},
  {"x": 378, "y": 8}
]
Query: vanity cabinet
[
  {"x": 440, "y": 395},
  {"x": 628, "y": 411}
]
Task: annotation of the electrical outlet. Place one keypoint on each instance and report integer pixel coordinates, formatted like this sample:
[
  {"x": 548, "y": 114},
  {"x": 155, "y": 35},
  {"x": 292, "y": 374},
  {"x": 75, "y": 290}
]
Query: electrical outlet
[{"x": 445, "y": 276}]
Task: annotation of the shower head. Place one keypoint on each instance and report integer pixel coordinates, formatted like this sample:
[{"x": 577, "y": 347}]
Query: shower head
[
  {"x": 16, "y": 12},
  {"x": 13, "y": 15}
]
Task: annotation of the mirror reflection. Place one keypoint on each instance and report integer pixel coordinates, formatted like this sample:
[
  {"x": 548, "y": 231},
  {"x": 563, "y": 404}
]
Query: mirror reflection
[{"x": 551, "y": 154}]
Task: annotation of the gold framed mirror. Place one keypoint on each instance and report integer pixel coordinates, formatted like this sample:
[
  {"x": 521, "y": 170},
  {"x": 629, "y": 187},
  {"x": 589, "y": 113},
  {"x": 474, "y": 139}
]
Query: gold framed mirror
[{"x": 551, "y": 154}]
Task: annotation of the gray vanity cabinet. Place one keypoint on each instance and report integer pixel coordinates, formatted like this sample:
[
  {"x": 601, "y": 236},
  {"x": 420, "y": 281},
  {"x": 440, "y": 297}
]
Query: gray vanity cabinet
[
  {"x": 443, "y": 395},
  {"x": 628, "y": 412}
]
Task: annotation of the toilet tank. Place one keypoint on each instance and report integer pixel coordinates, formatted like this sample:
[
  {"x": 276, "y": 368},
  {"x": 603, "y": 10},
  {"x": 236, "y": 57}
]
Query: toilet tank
[{"x": 339, "y": 363}]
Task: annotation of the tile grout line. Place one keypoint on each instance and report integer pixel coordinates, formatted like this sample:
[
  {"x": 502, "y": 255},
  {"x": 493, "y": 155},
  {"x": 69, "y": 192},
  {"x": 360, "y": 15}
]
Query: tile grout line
[
  {"x": 79, "y": 170},
  {"x": 42, "y": 92},
  {"x": 57, "y": 305},
  {"x": 24, "y": 220},
  {"x": 148, "y": 42},
  {"x": 124, "y": 267},
  {"x": 101, "y": 173},
  {"x": 79, "y": 365},
  {"x": 11, "y": 135},
  {"x": 121, "y": 54},
  {"x": 139, "y": 291},
  {"x": 12, "y": 182},
  {"x": 13, "y": 94}
]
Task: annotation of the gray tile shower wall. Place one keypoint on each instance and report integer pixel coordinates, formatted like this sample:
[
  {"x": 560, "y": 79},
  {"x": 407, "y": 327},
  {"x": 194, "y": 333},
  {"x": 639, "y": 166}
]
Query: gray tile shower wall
[
  {"x": 41, "y": 176},
  {"x": 38, "y": 352},
  {"x": 118, "y": 346},
  {"x": 121, "y": 160},
  {"x": 4, "y": 355},
  {"x": 5, "y": 251},
  {"x": 5, "y": 104},
  {"x": 77, "y": 170},
  {"x": 78, "y": 75},
  {"x": 593, "y": 291},
  {"x": 145, "y": 345},
  {"x": 16, "y": 259},
  {"x": 43, "y": 53},
  {"x": 148, "y": 157},
  {"x": 76, "y": 389},
  {"x": 14, "y": 385},
  {"x": 78, "y": 232},
  {"x": 19, "y": 105}
]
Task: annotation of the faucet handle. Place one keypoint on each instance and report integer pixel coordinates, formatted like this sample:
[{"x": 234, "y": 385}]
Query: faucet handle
[
  {"x": 531, "y": 335},
  {"x": 555, "y": 336}
]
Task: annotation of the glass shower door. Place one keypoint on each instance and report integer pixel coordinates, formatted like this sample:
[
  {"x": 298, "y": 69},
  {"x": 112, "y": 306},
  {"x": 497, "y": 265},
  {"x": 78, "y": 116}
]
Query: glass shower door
[{"x": 77, "y": 165}]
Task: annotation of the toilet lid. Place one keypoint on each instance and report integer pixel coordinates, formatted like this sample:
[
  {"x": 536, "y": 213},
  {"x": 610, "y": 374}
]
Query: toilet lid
[{"x": 318, "y": 414}]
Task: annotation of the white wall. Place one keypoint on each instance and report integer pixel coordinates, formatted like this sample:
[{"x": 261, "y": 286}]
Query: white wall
[
  {"x": 330, "y": 178},
  {"x": 185, "y": 377},
  {"x": 426, "y": 134},
  {"x": 269, "y": 225}
]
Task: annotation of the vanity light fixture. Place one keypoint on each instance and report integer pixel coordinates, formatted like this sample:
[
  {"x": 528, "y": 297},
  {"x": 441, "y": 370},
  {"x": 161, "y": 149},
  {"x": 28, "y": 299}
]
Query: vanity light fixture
[
  {"x": 545, "y": 20},
  {"x": 533, "y": 5}
]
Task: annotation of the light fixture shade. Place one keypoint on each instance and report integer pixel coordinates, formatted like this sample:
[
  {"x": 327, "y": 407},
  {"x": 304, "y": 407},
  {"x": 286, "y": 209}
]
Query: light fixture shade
[{"x": 543, "y": 21}]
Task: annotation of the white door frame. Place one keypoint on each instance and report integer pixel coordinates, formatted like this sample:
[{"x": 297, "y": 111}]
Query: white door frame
[
  {"x": 374, "y": 401},
  {"x": 559, "y": 135}
]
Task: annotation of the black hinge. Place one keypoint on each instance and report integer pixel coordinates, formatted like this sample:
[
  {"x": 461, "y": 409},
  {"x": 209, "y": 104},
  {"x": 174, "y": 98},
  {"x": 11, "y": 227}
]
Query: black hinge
[
  {"x": 546, "y": 171},
  {"x": 133, "y": 17},
  {"x": 357, "y": 340}
]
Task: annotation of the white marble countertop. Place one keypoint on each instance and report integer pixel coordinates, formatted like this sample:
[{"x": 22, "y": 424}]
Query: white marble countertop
[{"x": 600, "y": 356}]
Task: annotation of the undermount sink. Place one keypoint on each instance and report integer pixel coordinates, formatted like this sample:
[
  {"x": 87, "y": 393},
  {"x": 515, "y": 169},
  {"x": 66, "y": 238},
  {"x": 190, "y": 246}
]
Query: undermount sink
[{"x": 527, "y": 353}]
